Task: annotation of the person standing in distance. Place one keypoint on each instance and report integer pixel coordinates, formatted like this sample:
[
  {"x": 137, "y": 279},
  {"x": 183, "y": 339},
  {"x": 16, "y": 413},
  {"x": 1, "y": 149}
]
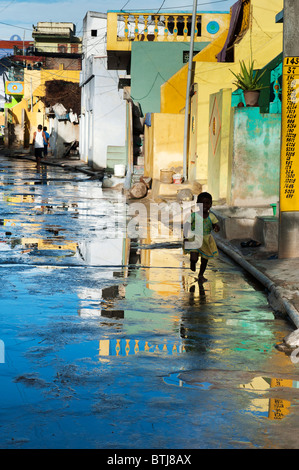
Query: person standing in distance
[
  {"x": 38, "y": 143},
  {"x": 46, "y": 142}
]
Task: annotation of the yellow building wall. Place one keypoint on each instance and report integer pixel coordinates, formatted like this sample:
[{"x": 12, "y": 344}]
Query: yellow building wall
[
  {"x": 167, "y": 137},
  {"x": 173, "y": 92},
  {"x": 262, "y": 42},
  {"x": 34, "y": 80},
  {"x": 34, "y": 88}
]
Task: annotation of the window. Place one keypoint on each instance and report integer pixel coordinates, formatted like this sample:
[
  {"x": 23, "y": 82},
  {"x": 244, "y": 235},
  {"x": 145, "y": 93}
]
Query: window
[
  {"x": 62, "y": 48},
  {"x": 186, "y": 56},
  {"x": 94, "y": 33}
]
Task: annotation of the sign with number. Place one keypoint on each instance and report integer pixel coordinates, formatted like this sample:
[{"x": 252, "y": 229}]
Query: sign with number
[{"x": 289, "y": 170}]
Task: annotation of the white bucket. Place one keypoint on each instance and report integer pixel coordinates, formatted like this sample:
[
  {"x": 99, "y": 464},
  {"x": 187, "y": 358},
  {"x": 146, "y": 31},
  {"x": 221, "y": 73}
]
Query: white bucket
[
  {"x": 177, "y": 178},
  {"x": 119, "y": 170}
]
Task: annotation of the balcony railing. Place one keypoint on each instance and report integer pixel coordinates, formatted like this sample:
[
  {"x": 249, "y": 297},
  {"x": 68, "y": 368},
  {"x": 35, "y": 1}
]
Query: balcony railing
[{"x": 125, "y": 28}]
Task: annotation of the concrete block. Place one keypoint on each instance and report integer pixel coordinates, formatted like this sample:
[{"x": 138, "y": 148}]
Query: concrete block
[
  {"x": 239, "y": 222},
  {"x": 234, "y": 227},
  {"x": 266, "y": 232}
]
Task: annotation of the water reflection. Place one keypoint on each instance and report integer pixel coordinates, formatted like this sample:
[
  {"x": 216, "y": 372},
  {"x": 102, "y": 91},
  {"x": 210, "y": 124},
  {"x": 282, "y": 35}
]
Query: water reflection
[
  {"x": 272, "y": 408},
  {"x": 126, "y": 347},
  {"x": 175, "y": 379},
  {"x": 97, "y": 303}
]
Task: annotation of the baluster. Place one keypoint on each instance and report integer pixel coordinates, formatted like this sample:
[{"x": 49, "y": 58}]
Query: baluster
[
  {"x": 145, "y": 32},
  {"x": 136, "y": 31},
  {"x": 126, "y": 17},
  {"x": 166, "y": 28},
  {"x": 175, "y": 28},
  {"x": 156, "y": 30},
  {"x": 196, "y": 29},
  {"x": 185, "y": 27}
]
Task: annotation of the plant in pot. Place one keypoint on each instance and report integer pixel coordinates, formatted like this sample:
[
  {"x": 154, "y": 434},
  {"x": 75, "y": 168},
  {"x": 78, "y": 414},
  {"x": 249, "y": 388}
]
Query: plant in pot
[{"x": 249, "y": 81}]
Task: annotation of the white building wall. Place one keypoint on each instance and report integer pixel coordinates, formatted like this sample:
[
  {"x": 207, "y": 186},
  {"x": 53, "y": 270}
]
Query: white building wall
[{"x": 103, "y": 118}]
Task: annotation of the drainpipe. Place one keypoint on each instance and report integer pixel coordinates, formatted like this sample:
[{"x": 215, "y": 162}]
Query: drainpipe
[{"x": 186, "y": 127}]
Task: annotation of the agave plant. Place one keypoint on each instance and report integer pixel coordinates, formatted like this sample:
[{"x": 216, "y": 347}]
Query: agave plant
[{"x": 247, "y": 79}]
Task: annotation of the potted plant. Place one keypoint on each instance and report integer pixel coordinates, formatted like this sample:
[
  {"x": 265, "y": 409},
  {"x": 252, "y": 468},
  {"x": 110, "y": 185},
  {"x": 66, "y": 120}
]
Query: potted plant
[{"x": 249, "y": 81}]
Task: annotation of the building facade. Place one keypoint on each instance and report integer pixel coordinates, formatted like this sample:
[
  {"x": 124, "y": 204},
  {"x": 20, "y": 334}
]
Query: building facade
[
  {"x": 103, "y": 110},
  {"x": 39, "y": 65}
]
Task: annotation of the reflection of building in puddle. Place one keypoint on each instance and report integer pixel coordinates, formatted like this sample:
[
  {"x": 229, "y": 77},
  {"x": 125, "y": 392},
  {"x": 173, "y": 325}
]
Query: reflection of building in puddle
[
  {"x": 38, "y": 244},
  {"x": 101, "y": 252},
  {"x": 164, "y": 275},
  {"x": 127, "y": 347},
  {"x": 16, "y": 223},
  {"x": 19, "y": 198},
  {"x": 272, "y": 408},
  {"x": 101, "y": 302}
]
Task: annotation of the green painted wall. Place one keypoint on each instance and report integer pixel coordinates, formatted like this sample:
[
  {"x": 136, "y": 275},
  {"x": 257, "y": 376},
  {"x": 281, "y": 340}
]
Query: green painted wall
[
  {"x": 268, "y": 94},
  {"x": 152, "y": 64},
  {"x": 15, "y": 99},
  {"x": 255, "y": 158}
]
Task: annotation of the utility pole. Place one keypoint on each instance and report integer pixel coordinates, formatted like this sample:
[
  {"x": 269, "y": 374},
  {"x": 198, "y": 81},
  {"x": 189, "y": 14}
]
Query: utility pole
[
  {"x": 288, "y": 241},
  {"x": 186, "y": 126},
  {"x": 31, "y": 94}
]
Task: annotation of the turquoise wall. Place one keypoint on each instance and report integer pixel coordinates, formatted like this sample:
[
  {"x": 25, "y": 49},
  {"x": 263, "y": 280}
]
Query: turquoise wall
[
  {"x": 152, "y": 64},
  {"x": 255, "y": 165},
  {"x": 270, "y": 97}
]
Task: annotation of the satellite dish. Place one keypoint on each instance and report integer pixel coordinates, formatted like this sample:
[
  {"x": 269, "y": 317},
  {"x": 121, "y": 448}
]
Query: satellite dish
[{"x": 15, "y": 37}]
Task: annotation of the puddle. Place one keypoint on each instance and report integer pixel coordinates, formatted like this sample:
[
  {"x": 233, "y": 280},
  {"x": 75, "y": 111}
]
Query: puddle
[
  {"x": 114, "y": 318},
  {"x": 271, "y": 408},
  {"x": 173, "y": 379}
]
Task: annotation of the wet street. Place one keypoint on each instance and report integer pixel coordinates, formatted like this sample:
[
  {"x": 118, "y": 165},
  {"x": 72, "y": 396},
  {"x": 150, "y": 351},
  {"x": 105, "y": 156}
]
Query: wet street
[{"x": 110, "y": 343}]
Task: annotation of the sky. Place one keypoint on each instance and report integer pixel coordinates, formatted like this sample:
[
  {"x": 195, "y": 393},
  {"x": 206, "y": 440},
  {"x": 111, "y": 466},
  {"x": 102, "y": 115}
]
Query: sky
[{"x": 18, "y": 16}]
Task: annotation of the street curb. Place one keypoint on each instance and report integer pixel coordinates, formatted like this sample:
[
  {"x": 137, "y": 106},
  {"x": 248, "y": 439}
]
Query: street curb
[{"x": 290, "y": 310}]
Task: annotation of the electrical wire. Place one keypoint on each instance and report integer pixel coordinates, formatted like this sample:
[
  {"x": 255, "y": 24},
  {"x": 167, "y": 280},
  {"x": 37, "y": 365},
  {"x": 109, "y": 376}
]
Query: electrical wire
[
  {"x": 125, "y": 5},
  {"x": 4, "y": 8},
  {"x": 161, "y": 6}
]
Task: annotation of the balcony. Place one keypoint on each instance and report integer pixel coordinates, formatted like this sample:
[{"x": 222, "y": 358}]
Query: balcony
[{"x": 125, "y": 28}]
